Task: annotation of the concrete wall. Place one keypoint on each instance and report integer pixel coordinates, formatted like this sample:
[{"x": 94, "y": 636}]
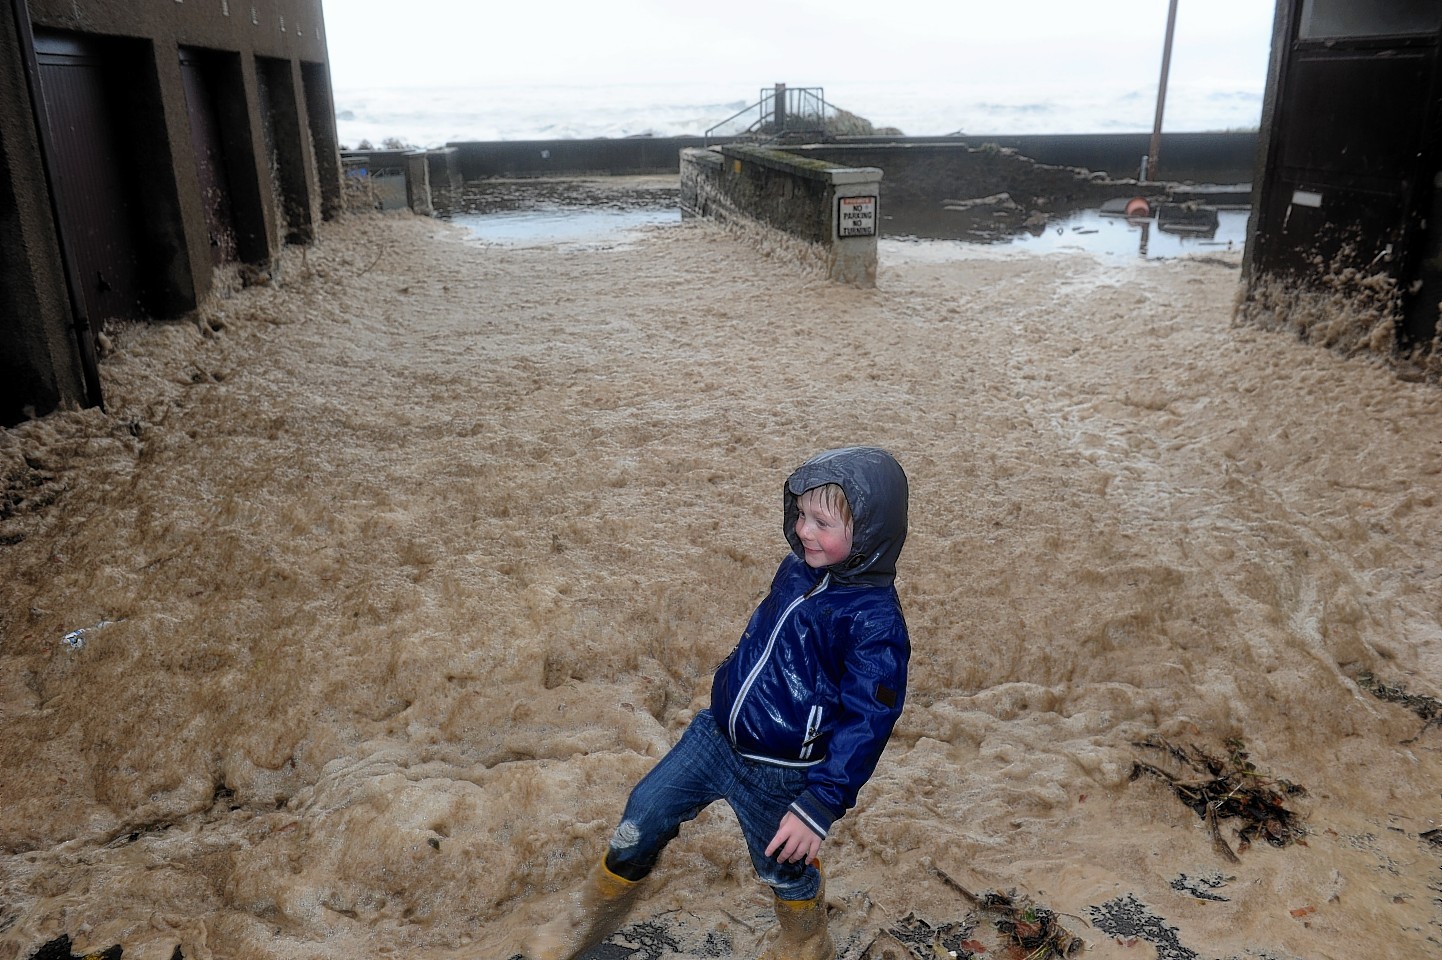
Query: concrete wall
[
  {"x": 40, "y": 365},
  {"x": 1220, "y": 157},
  {"x": 392, "y": 179},
  {"x": 282, "y": 167},
  {"x": 293, "y": 29},
  {"x": 444, "y": 172},
  {"x": 289, "y": 30},
  {"x": 1199, "y": 157},
  {"x": 806, "y": 198},
  {"x": 924, "y": 172},
  {"x": 554, "y": 158}
]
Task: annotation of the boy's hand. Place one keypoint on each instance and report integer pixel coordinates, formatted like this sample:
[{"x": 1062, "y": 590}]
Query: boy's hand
[{"x": 794, "y": 841}]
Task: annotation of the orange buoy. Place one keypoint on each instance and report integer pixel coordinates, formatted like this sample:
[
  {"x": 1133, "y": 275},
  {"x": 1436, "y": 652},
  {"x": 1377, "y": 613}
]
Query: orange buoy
[{"x": 1138, "y": 207}]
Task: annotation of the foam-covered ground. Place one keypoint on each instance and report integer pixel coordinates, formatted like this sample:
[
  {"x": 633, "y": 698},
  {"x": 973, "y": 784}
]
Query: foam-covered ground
[{"x": 403, "y": 568}]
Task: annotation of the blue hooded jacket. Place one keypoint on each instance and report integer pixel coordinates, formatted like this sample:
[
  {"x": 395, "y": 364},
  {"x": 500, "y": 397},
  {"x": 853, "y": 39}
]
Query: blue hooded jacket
[{"x": 818, "y": 679}]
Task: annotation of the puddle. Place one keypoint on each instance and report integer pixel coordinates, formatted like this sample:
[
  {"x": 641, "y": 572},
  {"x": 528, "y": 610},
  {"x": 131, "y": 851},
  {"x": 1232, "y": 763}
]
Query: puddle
[
  {"x": 564, "y": 226},
  {"x": 1090, "y": 231},
  {"x": 1087, "y": 231},
  {"x": 1094, "y": 232}
]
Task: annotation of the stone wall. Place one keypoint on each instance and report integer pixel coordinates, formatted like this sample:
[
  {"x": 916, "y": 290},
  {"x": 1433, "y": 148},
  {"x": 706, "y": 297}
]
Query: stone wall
[
  {"x": 803, "y": 197},
  {"x": 1221, "y": 157},
  {"x": 930, "y": 173}
]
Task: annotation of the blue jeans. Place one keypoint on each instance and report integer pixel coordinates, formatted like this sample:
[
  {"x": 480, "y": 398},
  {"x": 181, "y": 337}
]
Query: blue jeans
[{"x": 702, "y": 768}]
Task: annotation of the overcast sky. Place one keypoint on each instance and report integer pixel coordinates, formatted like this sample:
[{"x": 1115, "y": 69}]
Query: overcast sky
[{"x": 1036, "y": 44}]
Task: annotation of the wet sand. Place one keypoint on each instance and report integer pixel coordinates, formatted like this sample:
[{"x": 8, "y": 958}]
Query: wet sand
[{"x": 414, "y": 560}]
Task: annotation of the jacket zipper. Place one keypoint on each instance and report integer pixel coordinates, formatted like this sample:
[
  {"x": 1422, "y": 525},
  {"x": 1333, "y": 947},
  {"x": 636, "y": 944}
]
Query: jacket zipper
[
  {"x": 813, "y": 730},
  {"x": 766, "y": 654}
]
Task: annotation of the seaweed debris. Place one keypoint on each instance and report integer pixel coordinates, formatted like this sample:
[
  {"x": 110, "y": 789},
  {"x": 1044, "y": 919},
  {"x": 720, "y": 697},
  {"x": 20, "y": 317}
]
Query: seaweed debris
[
  {"x": 1201, "y": 888},
  {"x": 1428, "y": 708},
  {"x": 1229, "y": 788},
  {"x": 1029, "y": 931},
  {"x": 926, "y": 942}
]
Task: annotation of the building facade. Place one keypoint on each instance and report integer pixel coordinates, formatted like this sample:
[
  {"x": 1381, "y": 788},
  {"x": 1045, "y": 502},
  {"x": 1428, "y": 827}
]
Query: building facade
[
  {"x": 145, "y": 144},
  {"x": 1345, "y": 241}
]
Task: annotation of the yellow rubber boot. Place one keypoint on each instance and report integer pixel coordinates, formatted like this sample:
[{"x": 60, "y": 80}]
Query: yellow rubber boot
[
  {"x": 593, "y": 915},
  {"x": 801, "y": 932}
]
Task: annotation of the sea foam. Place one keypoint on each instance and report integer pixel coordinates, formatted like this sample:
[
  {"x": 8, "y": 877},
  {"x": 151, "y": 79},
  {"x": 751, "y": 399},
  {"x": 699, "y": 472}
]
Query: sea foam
[{"x": 431, "y": 116}]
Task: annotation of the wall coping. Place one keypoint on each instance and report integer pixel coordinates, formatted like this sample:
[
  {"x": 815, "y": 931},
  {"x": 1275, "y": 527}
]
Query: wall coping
[
  {"x": 704, "y": 156},
  {"x": 804, "y": 167}
]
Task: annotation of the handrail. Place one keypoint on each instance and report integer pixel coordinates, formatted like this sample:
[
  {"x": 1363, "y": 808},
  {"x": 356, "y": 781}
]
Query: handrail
[
  {"x": 712, "y": 129},
  {"x": 808, "y": 102}
]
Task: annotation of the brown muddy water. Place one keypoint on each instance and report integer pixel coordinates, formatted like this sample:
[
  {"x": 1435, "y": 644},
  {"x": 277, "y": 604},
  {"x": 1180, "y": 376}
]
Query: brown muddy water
[{"x": 396, "y": 573}]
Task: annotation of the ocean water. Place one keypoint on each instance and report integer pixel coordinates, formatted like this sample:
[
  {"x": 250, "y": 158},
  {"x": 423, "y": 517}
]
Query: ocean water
[{"x": 431, "y": 116}]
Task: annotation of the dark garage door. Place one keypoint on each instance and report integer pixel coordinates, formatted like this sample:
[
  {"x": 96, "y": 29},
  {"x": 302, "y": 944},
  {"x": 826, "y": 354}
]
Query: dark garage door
[{"x": 92, "y": 172}]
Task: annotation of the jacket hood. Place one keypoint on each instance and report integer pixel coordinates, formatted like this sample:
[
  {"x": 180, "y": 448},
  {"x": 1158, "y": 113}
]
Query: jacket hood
[{"x": 876, "y": 490}]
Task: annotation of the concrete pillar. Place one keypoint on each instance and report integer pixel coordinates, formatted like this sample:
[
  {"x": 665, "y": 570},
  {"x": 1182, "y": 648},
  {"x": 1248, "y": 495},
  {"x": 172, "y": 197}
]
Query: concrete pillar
[
  {"x": 855, "y": 224},
  {"x": 320, "y": 120},
  {"x": 418, "y": 183},
  {"x": 444, "y": 169}
]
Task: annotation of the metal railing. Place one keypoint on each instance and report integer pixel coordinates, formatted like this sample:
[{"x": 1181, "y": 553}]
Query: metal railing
[{"x": 779, "y": 111}]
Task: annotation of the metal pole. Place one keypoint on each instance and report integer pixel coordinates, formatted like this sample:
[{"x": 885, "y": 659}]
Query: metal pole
[{"x": 1162, "y": 92}]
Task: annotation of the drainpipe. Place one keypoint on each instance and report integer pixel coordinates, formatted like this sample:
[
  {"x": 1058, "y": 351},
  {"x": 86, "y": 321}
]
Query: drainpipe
[
  {"x": 84, "y": 338},
  {"x": 1151, "y": 167}
]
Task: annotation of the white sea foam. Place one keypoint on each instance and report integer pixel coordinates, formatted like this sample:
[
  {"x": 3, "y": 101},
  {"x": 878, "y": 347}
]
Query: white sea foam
[{"x": 436, "y": 115}]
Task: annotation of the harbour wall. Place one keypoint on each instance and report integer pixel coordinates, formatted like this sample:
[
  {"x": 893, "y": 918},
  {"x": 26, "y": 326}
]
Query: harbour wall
[
  {"x": 822, "y": 203},
  {"x": 1221, "y": 157}
]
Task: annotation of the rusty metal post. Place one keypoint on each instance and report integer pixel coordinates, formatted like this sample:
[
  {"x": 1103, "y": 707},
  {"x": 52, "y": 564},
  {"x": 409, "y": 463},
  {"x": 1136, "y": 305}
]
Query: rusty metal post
[
  {"x": 778, "y": 107},
  {"x": 1162, "y": 92}
]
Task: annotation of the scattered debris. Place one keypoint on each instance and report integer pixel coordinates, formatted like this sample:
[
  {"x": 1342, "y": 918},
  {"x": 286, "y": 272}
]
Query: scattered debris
[
  {"x": 653, "y": 939},
  {"x": 1201, "y": 888},
  {"x": 1190, "y": 217},
  {"x": 76, "y": 639},
  {"x": 1133, "y": 207},
  {"x": 1022, "y": 923},
  {"x": 1000, "y": 201},
  {"x": 926, "y": 942},
  {"x": 647, "y": 940},
  {"x": 1230, "y": 788},
  {"x": 1126, "y": 919},
  {"x": 1428, "y": 708}
]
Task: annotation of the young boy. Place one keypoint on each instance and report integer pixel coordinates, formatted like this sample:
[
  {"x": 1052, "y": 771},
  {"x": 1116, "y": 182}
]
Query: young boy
[{"x": 800, "y": 712}]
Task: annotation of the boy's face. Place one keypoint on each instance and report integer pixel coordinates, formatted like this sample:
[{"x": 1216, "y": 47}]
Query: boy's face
[{"x": 824, "y": 536}]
